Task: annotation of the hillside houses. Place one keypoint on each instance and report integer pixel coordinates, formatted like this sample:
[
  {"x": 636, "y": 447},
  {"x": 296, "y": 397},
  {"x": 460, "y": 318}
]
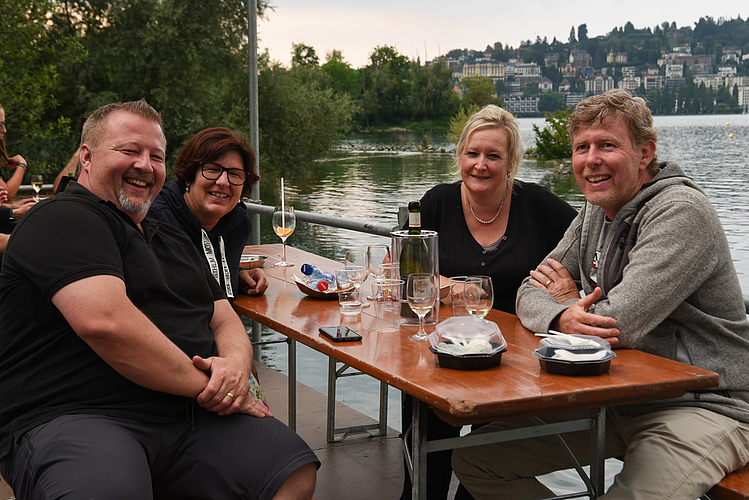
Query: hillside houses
[{"x": 577, "y": 74}]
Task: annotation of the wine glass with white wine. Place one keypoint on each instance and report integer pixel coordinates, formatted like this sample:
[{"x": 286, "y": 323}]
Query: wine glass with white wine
[
  {"x": 284, "y": 223},
  {"x": 421, "y": 294},
  {"x": 478, "y": 295},
  {"x": 37, "y": 181}
]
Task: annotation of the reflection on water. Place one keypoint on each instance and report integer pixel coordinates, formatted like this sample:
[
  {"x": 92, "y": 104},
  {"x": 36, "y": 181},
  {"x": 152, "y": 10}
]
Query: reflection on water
[{"x": 373, "y": 186}]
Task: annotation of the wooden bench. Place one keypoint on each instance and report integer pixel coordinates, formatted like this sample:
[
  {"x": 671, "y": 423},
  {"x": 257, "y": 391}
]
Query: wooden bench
[{"x": 735, "y": 486}]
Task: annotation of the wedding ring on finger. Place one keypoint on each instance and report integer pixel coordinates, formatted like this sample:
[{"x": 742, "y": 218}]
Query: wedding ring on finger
[
  {"x": 231, "y": 396},
  {"x": 548, "y": 282}
]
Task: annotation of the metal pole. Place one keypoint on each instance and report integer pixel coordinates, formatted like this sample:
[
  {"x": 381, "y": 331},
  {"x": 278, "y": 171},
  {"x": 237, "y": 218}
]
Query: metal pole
[{"x": 254, "y": 133}]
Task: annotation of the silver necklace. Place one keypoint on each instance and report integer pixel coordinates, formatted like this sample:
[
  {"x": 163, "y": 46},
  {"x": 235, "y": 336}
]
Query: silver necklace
[{"x": 495, "y": 216}]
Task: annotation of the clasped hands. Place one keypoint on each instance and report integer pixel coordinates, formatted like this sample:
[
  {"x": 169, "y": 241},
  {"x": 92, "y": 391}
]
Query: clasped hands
[
  {"x": 556, "y": 280},
  {"x": 228, "y": 376}
]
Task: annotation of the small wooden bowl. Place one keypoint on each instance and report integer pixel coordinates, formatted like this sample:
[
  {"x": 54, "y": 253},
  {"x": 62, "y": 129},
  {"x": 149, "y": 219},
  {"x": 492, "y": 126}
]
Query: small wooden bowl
[{"x": 329, "y": 294}]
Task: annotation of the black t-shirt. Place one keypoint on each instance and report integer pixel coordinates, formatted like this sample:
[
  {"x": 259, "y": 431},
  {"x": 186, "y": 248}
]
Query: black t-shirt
[
  {"x": 46, "y": 370},
  {"x": 538, "y": 220}
]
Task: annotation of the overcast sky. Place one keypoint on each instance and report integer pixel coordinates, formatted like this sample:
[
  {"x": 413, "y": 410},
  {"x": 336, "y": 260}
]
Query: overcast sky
[{"x": 428, "y": 28}]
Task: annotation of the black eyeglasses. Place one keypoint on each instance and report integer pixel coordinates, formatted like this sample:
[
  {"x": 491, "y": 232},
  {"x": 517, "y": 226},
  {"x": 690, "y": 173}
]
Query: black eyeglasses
[{"x": 212, "y": 172}]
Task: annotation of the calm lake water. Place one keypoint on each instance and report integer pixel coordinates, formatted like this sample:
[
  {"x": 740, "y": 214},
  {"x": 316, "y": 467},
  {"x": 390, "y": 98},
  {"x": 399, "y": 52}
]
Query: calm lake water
[{"x": 713, "y": 150}]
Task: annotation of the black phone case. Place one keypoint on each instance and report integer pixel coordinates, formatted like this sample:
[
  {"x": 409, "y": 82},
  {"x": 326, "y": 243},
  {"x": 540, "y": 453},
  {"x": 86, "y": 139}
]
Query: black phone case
[{"x": 349, "y": 338}]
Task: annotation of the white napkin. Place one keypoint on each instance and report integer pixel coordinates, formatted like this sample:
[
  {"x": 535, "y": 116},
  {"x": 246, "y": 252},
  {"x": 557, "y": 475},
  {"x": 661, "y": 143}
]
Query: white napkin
[{"x": 570, "y": 356}]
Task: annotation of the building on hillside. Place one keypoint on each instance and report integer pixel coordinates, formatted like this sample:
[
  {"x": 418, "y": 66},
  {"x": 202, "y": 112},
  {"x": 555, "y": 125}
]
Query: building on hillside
[
  {"x": 725, "y": 71},
  {"x": 713, "y": 81},
  {"x": 574, "y": 99},
  {"x": 731, "y": 53},
  {"x": 674, "y": 71},
  {"x": 568, "y": 71},
  {"x": 616, "y": 57},
  {"x": 702, "y": 69},
  {"x": 744, "y": 98},
  {"x": 580, "y": 58},
  {"x": 630, "y": 84},
  {"x": 683, "y": 49},
  {"x": 524, "y": 70},
  {"x": 598, "y": 84},
  {"x": 736, "y": 81},
  {"x": 485, "y": 67},
  {"x": 628, "y": 72},
  {"x": 551, "y": 60},
  {"x": 545, "y": 85},
  {"x": 521, "y": 104},
  {"x": 652, "y": 82},
  {"x": 564, "y": 85}
]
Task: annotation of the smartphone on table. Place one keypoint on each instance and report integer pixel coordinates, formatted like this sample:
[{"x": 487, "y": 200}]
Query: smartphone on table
[{"x": 340, "y": 333}]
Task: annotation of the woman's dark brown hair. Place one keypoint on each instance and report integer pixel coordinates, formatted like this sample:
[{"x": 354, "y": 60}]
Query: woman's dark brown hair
[{"x": 208, "y": 146}]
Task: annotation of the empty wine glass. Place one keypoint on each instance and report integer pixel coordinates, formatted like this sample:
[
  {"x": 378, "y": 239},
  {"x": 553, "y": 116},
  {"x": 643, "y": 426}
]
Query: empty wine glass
[
  {"x": 357, "y": 259},
  {"x": 421, "y": 294},
  {"x": 478, "y": 295},
  {"x": 37, "y": 181},
  {"x": 377, "y": 257},
  {"x": 284, "y": 223}
]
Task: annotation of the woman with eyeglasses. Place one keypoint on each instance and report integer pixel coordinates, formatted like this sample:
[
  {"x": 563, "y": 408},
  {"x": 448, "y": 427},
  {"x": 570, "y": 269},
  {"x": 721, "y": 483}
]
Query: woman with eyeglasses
[{"x": 213, "y": 170}]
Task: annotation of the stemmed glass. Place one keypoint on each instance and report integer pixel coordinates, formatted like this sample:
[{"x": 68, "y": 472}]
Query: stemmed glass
[
  {"x": 421, "y": 294},
  {"x": 37, "y": 181},
  {"x": 377, "y": 257},
  {"x": 478, "y": 295},
  {"x": 357, "y": 263},
  {"x": 284, "y": 223}
]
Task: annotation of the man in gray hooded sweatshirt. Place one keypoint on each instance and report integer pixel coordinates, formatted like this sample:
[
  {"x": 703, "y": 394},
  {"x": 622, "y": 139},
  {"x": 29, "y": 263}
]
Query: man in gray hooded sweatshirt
[{"x": 651, "y": 258}]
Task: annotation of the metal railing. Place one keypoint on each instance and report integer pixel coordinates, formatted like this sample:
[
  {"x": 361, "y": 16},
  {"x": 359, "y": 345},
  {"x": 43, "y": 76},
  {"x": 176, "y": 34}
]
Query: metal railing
[{"x": 363, "y": 226}]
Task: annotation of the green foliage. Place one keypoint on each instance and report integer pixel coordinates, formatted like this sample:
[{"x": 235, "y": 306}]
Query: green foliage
[
  {"x": 432, "y": 97},
  {"x": 458, "y": 122},
  {"x": 300, "y": 119},
  {"x": 33, "y": 54},
  {"x": 553, "y": 142},
  {"x": 552, "y": 101},
  {"x": 386, "y": 87},
  {"x": 479, "y": 91},
  {"x": 303, "y": 55}
]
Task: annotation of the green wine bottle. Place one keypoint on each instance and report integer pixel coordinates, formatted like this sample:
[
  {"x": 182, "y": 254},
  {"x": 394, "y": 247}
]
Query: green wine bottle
[{"x": 414, "y": 257}]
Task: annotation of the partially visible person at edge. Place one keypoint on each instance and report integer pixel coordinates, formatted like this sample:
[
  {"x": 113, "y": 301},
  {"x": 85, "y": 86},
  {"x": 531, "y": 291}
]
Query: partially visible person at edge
[
  {"x": 214, "y": 169},
  {"x": 16, "y": 162},
  {"x": 489, "y": 223},
  {"x": 10, "y": 212},
  {"x": 669, "y": 289},
  {"x": 124, "y": 371}
]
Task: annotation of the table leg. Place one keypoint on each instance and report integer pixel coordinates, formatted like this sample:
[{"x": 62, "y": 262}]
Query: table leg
[
  {"x": 598, "y": 452},
  {"x": 418, "y": 450},
  {"x": 292, "y": 384}
]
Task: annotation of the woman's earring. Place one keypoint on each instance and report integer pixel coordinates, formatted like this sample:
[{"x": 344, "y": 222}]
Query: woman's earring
[{"x": 187, "y": 189}]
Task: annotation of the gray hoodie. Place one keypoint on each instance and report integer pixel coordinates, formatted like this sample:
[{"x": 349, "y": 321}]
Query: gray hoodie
[{"x": 677, "y": 296}]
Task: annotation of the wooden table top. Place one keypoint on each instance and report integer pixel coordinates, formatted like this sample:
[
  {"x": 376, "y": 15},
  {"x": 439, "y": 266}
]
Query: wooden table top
[{"x": 517, "y": 387}]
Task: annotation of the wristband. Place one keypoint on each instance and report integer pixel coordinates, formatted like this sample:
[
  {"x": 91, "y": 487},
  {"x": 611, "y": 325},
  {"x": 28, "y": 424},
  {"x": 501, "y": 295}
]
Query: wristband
[
  {"x": 25, "y": 167},
  {"x": 10, "y": 210}
]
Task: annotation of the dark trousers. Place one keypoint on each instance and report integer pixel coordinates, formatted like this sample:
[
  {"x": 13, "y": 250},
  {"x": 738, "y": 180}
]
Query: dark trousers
[{"x": 94, "y": 456}]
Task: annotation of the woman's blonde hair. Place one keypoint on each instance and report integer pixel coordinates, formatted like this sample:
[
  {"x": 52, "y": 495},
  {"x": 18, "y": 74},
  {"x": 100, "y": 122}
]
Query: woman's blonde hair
[{"x": 493, "y": 116}]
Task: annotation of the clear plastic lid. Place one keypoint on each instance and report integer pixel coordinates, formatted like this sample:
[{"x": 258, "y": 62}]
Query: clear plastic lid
[
  {"x": 465, "y": 335},
  {"x": 574, "y": 349}
]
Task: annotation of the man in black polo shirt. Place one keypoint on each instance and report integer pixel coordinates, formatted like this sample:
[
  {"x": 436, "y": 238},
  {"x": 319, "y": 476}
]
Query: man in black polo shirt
[{"x": 124, "y": 371}]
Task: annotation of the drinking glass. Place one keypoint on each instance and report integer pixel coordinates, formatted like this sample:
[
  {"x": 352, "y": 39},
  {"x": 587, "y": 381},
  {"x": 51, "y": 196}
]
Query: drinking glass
[
  {"x": 377, "y": 257},
  {"x": 37, "y": 181},
  {"x": 357, "y": 260},
  {"x": 284, "y": 223},
  {"x": 478, "y": 295},
  {"x": 421, "y": 294}
]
